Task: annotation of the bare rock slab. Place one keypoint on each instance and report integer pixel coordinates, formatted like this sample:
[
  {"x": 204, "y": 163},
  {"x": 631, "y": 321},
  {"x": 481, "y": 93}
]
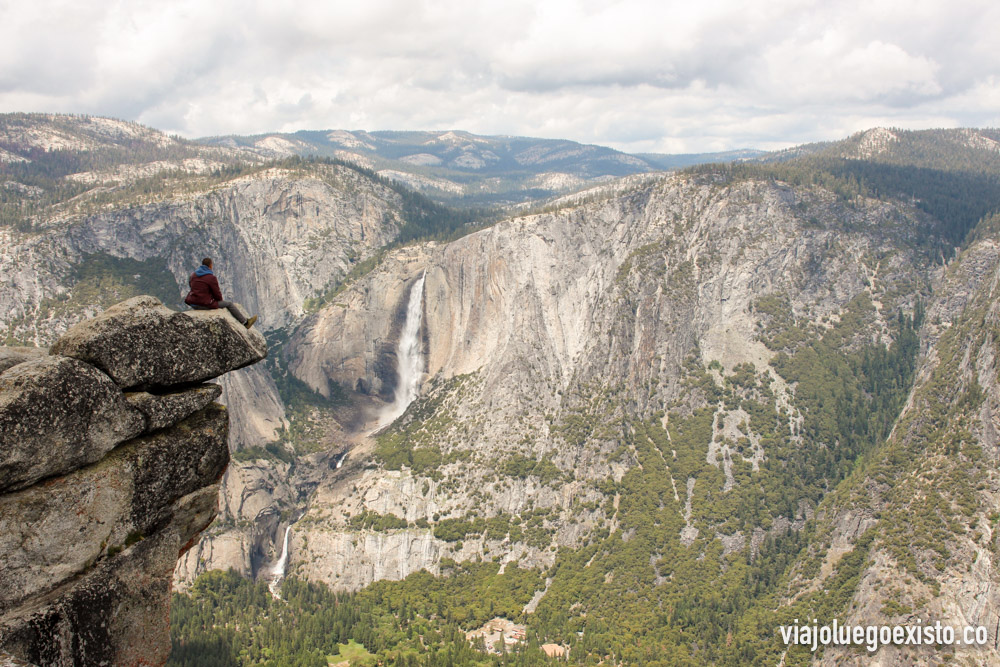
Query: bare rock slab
[
  {"x": 53, "y": 532},
  {"x": 166, "y": 409},
  {"x": 142, "y": 344},
  {"x": 57, "y": 414}
]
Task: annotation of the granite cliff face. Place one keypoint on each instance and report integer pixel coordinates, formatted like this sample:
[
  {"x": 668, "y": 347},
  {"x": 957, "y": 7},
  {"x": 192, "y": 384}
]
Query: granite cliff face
[
  {"x": 530, "y": 324},
  {"x": 111, "y": 456},
  {"x": 279, "y": 236},
  {"x": 547, "y": 336},
  {"x": 554, "y": 289}
]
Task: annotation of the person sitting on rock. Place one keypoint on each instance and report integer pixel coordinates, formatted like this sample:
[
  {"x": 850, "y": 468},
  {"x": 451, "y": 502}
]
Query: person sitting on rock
[{"x": 206, "y": 295}]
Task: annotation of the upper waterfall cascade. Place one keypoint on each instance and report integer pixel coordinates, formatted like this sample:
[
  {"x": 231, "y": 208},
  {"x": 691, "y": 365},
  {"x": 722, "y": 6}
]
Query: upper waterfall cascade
[{"x": 410, "y": 356}]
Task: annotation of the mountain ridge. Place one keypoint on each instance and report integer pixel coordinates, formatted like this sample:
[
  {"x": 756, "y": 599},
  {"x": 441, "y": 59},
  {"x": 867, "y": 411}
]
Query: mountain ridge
[{"x": 459, "y": 167}]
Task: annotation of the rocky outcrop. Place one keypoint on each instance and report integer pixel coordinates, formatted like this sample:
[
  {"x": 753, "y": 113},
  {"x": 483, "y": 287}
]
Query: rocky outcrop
[
  {"x": 56, "y": 414},
  {"x": 162, "y": 410},
  {"x": 182, "y": 347},
  {"x": 11, "y": 356},
  {"x": 103, "y": 488}
]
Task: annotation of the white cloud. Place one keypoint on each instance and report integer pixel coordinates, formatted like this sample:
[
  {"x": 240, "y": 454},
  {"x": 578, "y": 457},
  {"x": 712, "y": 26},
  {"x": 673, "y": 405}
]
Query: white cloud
[
  {"x": 636, "y": 74},
  {"x": 833, "y": 69}
]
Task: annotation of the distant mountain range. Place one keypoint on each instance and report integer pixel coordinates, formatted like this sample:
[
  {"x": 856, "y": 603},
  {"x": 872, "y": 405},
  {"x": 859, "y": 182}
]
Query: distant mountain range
[
  {"x": 464, "y": 168},
  {"x": 461, "y": 168},
  {"x": 682, "y": 160},
  {"x": 451, "y": 167}
]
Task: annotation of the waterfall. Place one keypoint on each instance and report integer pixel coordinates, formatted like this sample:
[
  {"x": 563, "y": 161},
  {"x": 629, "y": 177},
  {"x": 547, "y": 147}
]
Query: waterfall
[
  {"x": 278, "y": 572},
  {"x": 282, "y": 564},
  {"x": 409, "y": 355}
]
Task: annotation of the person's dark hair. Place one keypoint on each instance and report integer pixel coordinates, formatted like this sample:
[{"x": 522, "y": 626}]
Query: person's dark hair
[{"x": 207, "y": 262}]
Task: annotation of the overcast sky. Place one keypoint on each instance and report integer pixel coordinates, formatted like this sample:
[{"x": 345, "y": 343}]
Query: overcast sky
[{"x": 638, "y": 75}]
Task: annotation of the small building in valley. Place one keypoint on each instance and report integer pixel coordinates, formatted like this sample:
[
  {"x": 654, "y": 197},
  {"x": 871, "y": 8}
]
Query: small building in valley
[{"x": 498, "y": 632}]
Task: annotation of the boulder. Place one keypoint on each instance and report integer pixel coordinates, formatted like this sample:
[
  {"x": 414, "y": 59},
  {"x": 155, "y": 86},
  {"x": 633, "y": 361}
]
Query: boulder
[
  {"x": 142, "y": 344},
  {"x": 51, "y": 533},
  {"x": 103, "y": 489},
  {"x": 166, "y": 409},
  {"x": 11, "y": 356},
  {"x": 57, "y": 414}
]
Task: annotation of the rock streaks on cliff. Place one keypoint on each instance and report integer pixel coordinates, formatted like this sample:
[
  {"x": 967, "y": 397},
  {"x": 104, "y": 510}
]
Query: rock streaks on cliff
[{"x": 525, "y": 322}]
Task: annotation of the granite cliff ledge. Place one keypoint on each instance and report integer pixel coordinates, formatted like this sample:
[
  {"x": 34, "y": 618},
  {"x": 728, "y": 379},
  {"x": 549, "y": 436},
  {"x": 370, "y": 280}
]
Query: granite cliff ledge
[{"x": 111, "y": 454}]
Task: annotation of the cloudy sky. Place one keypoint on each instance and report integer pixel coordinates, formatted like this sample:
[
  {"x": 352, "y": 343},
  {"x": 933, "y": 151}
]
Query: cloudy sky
[{"x": 639, "y": 75}]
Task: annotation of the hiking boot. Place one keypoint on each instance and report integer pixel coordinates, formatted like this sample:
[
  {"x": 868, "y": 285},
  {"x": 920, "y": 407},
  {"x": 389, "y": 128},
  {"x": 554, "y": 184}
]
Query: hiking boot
[{"x": 249, "y": 323}]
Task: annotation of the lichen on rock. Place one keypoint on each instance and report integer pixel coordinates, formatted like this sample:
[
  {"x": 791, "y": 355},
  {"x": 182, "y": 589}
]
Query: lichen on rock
[{"x": 57, "y": 414}]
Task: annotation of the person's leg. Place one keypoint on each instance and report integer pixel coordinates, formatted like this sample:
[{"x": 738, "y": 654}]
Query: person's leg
[
  {"x": 197, "y": 307},
  {"x": 232, "y": 308}
]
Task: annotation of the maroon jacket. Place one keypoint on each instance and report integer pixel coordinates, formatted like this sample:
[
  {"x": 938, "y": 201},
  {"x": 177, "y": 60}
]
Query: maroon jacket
[{"x": 204, "y": 292}]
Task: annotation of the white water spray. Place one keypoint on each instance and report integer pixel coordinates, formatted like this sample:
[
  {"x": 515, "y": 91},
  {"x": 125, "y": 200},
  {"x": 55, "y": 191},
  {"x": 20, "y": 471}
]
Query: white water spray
[
  {"x": 409, "y": 355},
  {"x": 278, "y": 572}
]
